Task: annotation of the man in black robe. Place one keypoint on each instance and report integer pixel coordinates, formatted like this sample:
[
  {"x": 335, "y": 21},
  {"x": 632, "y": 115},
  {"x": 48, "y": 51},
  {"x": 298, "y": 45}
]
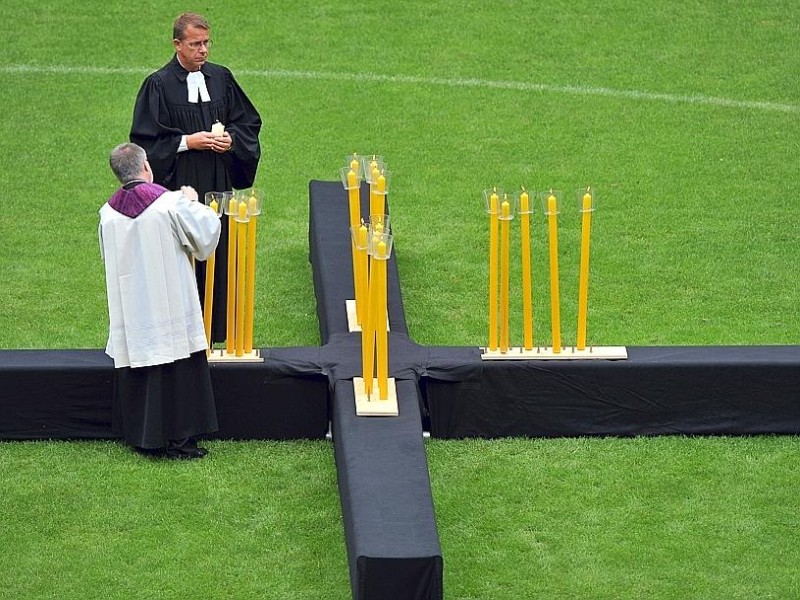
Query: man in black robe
[{"x": 175, "y": 110}]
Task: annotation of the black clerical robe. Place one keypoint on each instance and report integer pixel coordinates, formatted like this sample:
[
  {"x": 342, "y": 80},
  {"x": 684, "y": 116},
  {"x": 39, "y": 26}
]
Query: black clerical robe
[{"x": 163, "y": 113}]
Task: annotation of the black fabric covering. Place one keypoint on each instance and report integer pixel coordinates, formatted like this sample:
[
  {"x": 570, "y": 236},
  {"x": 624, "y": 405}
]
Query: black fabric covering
[
  {"x": 727, "y": 390},
  {"x": 66, "y": 394},
  {"x": 55, "y": 394},
  {"x": 285, "y": 397},
  {"x": 392, "y": 542},
  {"x": 387, "y": 505}
]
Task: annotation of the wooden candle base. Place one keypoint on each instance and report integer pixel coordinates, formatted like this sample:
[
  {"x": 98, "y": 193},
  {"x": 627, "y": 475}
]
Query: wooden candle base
[
  {"x": 372, "y": 405},
  {"x": 352, "y": 317},
  {"x": 568, "y": 353},
  {"x": 221, "y": 356}
]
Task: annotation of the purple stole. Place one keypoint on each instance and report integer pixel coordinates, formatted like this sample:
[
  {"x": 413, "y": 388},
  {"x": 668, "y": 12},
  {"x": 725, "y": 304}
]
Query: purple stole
[{"x": 132, "y": 202}]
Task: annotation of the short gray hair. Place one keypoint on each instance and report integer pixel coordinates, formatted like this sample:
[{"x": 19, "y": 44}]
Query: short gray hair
[
  {"x": 186, "y": 20},
  {"x": 127, "y": 161}
]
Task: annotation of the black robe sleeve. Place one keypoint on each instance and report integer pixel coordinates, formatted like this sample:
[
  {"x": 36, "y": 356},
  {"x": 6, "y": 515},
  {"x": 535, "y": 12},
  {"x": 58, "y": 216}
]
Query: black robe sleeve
[
  {"x": 243, "y": 124},
  {"x": 152, "y": 130}
]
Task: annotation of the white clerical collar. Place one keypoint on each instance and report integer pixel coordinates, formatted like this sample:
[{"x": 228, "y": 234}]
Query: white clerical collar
[{"x": 196, "y": 86}]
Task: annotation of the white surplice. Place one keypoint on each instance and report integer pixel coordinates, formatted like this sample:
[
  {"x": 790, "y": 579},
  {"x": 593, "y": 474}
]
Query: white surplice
[{"x": 153, "y": 303}]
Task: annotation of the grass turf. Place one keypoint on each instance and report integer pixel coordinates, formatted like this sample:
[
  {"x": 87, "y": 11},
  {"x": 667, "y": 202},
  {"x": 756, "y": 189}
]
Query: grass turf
[{"x": 682, "y": 114}]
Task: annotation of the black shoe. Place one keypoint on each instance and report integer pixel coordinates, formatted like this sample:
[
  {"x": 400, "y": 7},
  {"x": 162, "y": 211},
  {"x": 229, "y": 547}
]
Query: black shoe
[
  {"x": 149, "y": 452},
  {"x": 184, "y": 454}
]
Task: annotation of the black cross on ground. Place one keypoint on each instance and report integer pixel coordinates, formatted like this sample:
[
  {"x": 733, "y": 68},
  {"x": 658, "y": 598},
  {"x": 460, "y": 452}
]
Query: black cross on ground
[
  {"x": 387, "y": 507},
  {"x": 392, "y": 542}
]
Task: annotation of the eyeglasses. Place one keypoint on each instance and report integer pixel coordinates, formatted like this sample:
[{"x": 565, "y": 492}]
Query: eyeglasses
[{"x": 197, "y": 45}]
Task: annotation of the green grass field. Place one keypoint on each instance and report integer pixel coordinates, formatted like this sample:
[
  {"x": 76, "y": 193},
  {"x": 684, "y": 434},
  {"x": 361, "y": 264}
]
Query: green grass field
[{"x": 684, "y": 115}]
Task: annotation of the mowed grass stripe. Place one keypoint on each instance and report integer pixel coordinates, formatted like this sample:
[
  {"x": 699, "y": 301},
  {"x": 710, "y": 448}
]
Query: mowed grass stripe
[{"x": 574, "y": 90}]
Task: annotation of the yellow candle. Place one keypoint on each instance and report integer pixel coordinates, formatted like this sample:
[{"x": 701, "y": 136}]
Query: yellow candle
[
  {"x": 505, "y": 210},
  {"x": 373, "y": 192},
  {"x": 241, "y": 239},
  {"x": 368, "y": 332},
  {"x": 250, "y": 284},
  {"x": 494, "y": 207},
  {"x": 208, "y": 297},
  {"x": 380, "y": 197},
  {"x": 354, "y": 163},
  {"x": 230, "y": 331},
  {"x": 583, "y": 283},
  {"x": 214, "y": 205},
  {"x": 353, "y": 198},
  {"x": 525, "y": 243},
  {"x": 555, "y": 308},
  {"x": 382, "y": 342},
  {"x": 362, "y": 293}
]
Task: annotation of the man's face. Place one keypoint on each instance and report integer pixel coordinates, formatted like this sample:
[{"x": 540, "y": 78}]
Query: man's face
[{"x": 193, "y": 48}]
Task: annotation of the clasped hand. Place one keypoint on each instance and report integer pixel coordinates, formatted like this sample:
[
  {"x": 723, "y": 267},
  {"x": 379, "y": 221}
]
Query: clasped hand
[{"x": 205, "y": 140}]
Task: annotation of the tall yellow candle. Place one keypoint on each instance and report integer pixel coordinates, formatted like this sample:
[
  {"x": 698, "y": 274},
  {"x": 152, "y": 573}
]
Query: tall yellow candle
[
  {"x": 380, "y": 195},
  {"x": 373, "y": 195},
  {"x": 583, "y": 280},
  {"x": 368, "y": 331},
  {"x": 505, "y": 222},
  {"x": 241, "y": 239},
  {"x": 354, "y": 163},
  {"x": 250, "y": 285},
  {"x": 363, "y": 276},
  {"x": 208, "y": 294},
  {"x": 555, "y": 307},
  {"x": 230, "y": 332},
  {"x": 353, "y": 197},
  {"x": 494, "y": 207},
  {"x": 382, "y": 338},
  {"x": 525, "y": 243},
  {"x": 355, "y": 215}
]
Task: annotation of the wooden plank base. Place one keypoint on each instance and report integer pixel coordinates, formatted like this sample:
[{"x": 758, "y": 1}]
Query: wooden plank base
[
  {"x": 372, "y": 405},
  {"x": 568, "y": 353},
  {"x": 219, "y": 355}
]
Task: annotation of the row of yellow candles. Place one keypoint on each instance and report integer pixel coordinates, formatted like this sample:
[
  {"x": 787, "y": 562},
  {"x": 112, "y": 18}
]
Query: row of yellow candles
[
  {"x": 369, "y": 273},
  {"x": 500, "y": 212},
  {"x": 374, "y": 331},
  {"x": 377, "y": 206},
  {"x": 242, "y": 231}
]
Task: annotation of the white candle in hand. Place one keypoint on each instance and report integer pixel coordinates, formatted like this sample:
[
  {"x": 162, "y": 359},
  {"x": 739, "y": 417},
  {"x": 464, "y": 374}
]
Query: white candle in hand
[{"x": 217, "y": 129}]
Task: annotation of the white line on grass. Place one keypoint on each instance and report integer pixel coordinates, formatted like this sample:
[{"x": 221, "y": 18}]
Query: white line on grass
[{"x": 574, "y": 90}]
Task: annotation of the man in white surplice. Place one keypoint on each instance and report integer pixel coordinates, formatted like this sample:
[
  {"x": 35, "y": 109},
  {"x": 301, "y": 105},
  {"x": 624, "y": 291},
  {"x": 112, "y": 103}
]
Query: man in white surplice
[{"x": 162, "y": 397}]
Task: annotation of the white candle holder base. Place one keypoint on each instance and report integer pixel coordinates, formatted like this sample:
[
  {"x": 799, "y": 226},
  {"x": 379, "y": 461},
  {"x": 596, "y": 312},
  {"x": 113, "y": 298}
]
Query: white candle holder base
[
  {"x": 567, "y": 353},
  {"x": 219, "y": 355},
  {"x": 352, "y": 317},
  {"x": 372, "y": 405}
]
